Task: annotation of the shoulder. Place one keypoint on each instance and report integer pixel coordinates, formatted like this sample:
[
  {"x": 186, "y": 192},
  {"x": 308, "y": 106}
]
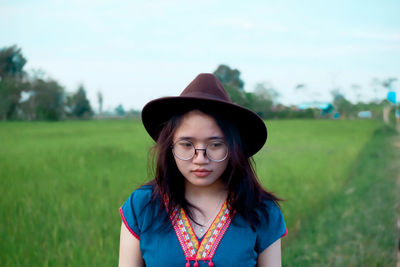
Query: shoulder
[
  {"x": 268, "y": 209},
  {"x": 135, "y": 210},
  {"x": 142, "y": 194},
  {"x": 140, "y": 198},
  {"x": 147, "y": 188},
  {"x": 271, "y": 208}
]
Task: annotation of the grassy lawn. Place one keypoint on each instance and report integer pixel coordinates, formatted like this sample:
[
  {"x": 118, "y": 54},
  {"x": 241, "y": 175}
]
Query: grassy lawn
[
  {"x": 356, "y": 224},
  {"x": 61, "y": 185}
]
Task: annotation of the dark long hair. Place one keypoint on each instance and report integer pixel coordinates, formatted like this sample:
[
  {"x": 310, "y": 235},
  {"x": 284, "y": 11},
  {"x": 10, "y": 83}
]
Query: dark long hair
[{"x": 245, "y": 194}]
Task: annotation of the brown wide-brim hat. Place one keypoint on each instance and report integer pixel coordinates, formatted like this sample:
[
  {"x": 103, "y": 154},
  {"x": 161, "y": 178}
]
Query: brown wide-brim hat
[{"x": 207, "y": 93}]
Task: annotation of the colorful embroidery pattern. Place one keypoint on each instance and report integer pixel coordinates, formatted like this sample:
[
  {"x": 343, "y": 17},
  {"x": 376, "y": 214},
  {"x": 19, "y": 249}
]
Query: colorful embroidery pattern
[
  {"x": 185, "y": 234},
  {"x": 188, "y": 240},
  {"x": 214, "y": 234}
]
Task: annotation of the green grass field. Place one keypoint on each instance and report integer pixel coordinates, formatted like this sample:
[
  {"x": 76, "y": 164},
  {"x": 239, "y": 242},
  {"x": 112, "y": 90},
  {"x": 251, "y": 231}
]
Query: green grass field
[{"x": 61, "y": 185}]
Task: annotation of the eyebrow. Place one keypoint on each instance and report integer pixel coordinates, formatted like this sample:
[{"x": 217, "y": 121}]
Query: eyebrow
[{"x": 208, "y": 138}]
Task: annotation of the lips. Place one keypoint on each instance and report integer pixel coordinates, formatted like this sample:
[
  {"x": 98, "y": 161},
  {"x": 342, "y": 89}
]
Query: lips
[{"x": 201, "y": 172}]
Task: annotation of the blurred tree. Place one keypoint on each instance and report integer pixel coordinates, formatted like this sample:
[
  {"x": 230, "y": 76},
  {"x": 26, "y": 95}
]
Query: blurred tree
[
  {"x": 229, "y": 77},
  {"x": 45, "y": 102},
  {"x": 120, "y": 111},
  {"x": 10, "y": 94},
  {"x": 261, "y": 101},
  {"x": 100, "y": 100},
  {"x": 237, "y": 96},
  {"x": 12, "y": 84},
  {"x": 264, "y": 98},
  {"x": 341, "y": 104},
  {"x": 78, "y": 105},
  {"x": 388, "y": 83},
  {"x": 12, "y": 62},
  {"x": 266, "y": 91},
  {"x": 134, "y": 113},
  {"x": 262, "y": 106}
]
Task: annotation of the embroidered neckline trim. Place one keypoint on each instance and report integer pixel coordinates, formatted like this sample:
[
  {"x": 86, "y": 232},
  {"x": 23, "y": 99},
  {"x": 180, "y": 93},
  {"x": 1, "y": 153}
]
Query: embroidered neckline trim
[{"x": 192, "y": 248}]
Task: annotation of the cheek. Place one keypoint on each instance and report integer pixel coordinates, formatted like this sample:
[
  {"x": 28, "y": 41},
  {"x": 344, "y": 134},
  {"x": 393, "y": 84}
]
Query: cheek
[
  {"x": 180, "y": 164},
  {"x": 222, "y": 167}
]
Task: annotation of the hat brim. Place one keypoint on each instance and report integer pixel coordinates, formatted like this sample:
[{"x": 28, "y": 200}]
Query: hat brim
[{"x": 251, "y": 127}]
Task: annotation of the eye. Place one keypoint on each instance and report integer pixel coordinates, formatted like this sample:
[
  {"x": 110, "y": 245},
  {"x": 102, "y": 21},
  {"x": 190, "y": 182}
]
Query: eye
[
  {"x": 184, "y": 144},
  {"x": 216, "y": 145}
]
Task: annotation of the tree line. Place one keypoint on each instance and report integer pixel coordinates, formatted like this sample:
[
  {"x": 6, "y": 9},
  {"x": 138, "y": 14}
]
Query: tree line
[
  {"x": 263, "y": 100},
  {"x": 34, "y": 97}
]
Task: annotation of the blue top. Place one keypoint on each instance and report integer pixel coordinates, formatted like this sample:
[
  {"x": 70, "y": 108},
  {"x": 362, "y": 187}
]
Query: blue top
[{"x": 159, "y": 244}]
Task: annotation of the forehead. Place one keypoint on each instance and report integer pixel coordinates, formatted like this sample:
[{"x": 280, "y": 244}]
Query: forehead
[{"x": 198, "y": 125}]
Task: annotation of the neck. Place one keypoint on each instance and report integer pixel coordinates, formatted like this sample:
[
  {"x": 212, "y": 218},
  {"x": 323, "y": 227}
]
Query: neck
[{"x": 196, "y": 194}]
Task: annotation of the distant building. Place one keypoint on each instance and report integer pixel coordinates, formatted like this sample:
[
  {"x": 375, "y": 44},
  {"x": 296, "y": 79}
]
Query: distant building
[
  {"x": 318, "y": 105},
  {"x": 366, "y": 114}
]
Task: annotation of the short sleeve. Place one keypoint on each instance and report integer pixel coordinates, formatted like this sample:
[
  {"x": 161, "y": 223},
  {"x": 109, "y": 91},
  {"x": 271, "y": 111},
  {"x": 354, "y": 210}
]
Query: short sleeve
[
  {"x": 271, "y": 229},
  {"x": 132, "y": 209}
]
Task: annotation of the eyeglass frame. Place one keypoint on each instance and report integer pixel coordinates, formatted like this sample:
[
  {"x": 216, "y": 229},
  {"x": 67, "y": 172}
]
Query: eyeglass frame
[{"x": 195, "y": 151}]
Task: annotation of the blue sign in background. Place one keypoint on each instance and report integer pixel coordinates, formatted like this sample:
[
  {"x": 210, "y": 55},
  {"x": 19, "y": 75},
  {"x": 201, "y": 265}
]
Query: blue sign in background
[{"x": 391, "y": 97}]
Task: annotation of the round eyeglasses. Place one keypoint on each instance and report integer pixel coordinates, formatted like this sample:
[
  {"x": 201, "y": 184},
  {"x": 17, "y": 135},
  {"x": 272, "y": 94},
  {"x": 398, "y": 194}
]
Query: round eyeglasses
[{"x": 216, "y": 151}]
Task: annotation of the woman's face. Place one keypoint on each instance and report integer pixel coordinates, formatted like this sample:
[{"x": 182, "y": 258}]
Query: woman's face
[{"x": 201, "y": 130}]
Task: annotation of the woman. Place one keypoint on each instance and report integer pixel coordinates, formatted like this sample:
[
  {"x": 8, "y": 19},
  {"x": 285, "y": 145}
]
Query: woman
[{"x": 205, "y": 206}]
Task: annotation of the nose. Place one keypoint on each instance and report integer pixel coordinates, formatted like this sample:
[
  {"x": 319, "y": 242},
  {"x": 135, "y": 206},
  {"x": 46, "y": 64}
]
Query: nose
[{"x": 200, "y": 156}]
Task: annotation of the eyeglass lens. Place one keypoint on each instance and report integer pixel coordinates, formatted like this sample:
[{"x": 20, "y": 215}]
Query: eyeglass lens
[{"x": 215, "y": 151}]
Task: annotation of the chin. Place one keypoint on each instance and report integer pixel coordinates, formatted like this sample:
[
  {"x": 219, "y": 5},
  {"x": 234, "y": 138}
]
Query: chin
[{"x": 202, "y": 182}]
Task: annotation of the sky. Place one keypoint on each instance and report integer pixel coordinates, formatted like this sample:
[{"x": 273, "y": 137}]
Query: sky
[{"x": 135, "y": 51}]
